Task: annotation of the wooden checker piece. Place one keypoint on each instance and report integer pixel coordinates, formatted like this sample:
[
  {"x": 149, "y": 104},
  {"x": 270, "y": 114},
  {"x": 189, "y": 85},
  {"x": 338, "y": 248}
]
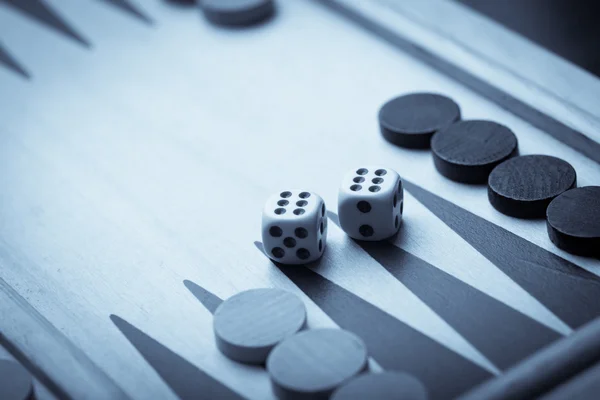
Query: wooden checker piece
[
  {"x": 16, "y": 383},
  {"x": 523, "y": 186},
  {"x": 411, "y": 120},
  {"x": 237, "y": 12},
  {"x": 390, "y": 385},
  {"x": 573, "y": 221},
  {"x": 468, "y": 151},
  {"x": 249, "y": 324},
  {"x": 313, "y": 363}
]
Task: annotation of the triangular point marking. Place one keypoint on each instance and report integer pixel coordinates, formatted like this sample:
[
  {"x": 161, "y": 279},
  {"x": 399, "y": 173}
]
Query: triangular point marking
[
  {"x": 185, "y": 379},
  {"x": 10, "y": 63},
  {"x": 208, "y": 299},
  {"x": 41, "y": 12},
  {"x": 567, "y": 290},
  {"x": 126, "y": 6}
]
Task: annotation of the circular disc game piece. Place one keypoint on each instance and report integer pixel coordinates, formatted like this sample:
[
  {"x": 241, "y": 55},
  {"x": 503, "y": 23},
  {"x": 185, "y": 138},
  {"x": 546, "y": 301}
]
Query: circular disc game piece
[
  {"x": 16, "y": 383},
  {"x": 312, "y": 364},
  {"x": 249, "y": 324},
  {"x": 411, "y": 120},
  {"x": 523, "y": 186},
  {"x": 237, "y": 12},
  {"x": 468, "y": 151},
  {"x": 382, "y": 386},
  {"x": 573, "y": 221}
]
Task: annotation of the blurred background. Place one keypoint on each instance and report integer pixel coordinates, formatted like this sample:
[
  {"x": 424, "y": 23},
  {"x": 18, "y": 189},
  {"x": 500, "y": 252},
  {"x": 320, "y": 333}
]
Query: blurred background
[{"x": 569, "y": 28}]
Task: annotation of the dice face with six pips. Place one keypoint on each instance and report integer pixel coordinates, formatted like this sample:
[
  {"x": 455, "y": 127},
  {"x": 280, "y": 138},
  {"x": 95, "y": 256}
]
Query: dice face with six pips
[
  {"x": 370, "y": 203},
  {"x": 294, "y": 227}
]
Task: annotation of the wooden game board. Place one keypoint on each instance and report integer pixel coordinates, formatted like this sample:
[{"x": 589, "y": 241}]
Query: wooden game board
[{"x": 139, "y": 143}]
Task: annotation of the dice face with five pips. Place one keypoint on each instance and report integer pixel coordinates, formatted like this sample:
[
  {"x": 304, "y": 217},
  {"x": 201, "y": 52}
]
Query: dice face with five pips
[
  {"x": 294, "y": 227},
  {"x": 370, "y": 203}
]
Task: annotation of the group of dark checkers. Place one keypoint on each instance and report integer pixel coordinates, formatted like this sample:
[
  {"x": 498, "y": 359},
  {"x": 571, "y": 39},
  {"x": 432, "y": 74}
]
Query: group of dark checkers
[{"x": 268, "y": 326}]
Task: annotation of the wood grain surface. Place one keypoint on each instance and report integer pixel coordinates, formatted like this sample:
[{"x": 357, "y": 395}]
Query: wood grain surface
[
  {"x": 547, "y": 369},
  {"x": 250, "y": 324},
  {"x": 467, "y": 151},
  {"x": 411, "y": 120},
  {"x": 134, "y": 171},
  {"x": 573, "y": 221},
  {"x": 60, "y": 366},
  {"x": 313, "y": 363},
  {"x": 382, "y": 386},
  {"x": 493, "y": 61},
  {"x": 524, "y": 186},
  {"x": 584, "y": 386}
]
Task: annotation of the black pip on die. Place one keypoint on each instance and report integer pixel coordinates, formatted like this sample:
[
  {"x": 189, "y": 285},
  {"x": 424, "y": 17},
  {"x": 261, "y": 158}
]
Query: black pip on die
[
  {"x": 294, "y": 227},
  {"x": 370, "y": 203}
]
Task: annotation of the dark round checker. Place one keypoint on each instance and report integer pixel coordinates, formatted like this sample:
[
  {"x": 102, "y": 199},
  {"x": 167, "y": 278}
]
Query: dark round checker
[
  {"x": 312, "y": 364},
  {"x": 16, "y": 383},
  {"x": 468, "y": 151},
  {"x": 523, "y": 186},
  {"x": 248, "y": 325},
  {"x": 389, "y": 385},
  {"x": 411, "y": 120},
  {"x": 573, "y": 221},
  {"x": 237, "y": 12}
]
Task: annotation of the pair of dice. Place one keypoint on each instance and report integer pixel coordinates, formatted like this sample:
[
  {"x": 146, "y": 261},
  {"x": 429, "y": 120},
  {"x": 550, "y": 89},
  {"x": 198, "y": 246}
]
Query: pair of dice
[{"x": 370, "y": 205}]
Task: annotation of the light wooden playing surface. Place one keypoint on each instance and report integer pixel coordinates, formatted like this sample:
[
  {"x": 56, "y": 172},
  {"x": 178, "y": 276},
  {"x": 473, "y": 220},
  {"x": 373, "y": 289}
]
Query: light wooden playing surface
[{"x": 144, "y": 161}]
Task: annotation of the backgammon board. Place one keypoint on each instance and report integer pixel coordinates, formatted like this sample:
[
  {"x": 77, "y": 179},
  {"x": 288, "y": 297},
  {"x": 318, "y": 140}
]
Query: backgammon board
[{"x": 139, "y": 143}]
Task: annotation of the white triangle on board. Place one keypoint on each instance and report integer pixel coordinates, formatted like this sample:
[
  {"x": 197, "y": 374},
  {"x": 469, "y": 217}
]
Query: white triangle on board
[
  {"x": 346, "y": 264},
  {"x": 430, "y": 239}
]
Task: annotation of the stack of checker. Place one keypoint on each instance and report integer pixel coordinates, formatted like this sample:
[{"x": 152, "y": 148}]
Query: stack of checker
[{"x": 478, "y": 152}]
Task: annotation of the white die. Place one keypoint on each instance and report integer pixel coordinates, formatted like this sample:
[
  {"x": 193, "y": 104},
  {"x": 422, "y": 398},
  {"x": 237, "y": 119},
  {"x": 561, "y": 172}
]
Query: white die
[
  {"x": 370, "y": 203},
  {"x": 294, "y": 227}
]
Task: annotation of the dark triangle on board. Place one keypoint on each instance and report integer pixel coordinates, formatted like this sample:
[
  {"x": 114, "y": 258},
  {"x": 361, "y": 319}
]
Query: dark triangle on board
[
  {"x": 502, "y": 334},
  {"x": 10, "y": 63},
  {"x": 41, "y": 12},
  {"x": 568, "y": 290},
  {"x": 129, "y": 8},
  {"x": 184, "y": 378},
  {"x": 392, "y": 343},
  {"x": 208, "y": 299}
]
